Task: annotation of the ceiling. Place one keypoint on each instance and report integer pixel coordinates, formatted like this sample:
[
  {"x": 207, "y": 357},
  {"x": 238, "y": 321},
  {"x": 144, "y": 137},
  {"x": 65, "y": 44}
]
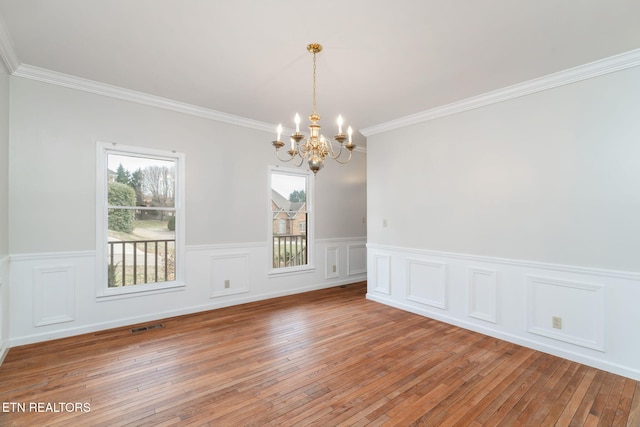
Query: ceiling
[{"x": 382, "y": 59}]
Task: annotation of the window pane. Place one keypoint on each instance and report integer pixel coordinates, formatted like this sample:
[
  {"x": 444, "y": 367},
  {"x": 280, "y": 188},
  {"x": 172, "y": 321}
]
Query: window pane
[
  {"x": 289, "y": 220},
  {"x": 141, "y": 246},
  {"x": 152, "y": 181},
  {"x": 288, "y": 192}
]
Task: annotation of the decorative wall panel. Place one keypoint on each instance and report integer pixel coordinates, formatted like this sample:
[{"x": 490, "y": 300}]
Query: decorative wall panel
[
  {"x": 229, "y": 274},
  {"x": 54, "y": 295},
  {"x": 332, "y": 264},
  {"x": 382, "y": 273},
  {"x": 427, "y": 283},
  {"x": 356, "y": 259},
  {"x": 567, "y": 311},
  {"x": 483, "y": 294}
]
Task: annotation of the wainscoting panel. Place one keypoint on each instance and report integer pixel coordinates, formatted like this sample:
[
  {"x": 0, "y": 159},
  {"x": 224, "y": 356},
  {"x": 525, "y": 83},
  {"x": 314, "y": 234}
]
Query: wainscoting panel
[
  {"x": 332, "y": 262},
  {"x": 54, "y": 295},
  {"x": 427, "y": 283},
  {"x": 380, "y": 280},
  {"x": 582, "y": 322},
  {"x": 588, "y": 315},
  {"x": 483, "y": 294},
  {"x": 229, "y": 274},
  {"x": 356, "y": 259}
]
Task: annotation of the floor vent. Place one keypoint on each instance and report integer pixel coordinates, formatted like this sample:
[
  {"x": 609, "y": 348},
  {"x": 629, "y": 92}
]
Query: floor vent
[{"x": 147, "y": 328}]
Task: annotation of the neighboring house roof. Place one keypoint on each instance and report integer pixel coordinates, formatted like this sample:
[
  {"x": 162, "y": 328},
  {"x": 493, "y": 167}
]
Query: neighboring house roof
[
  {"x": 280, "y": 201},
  {"x": 285, "y": 205}
]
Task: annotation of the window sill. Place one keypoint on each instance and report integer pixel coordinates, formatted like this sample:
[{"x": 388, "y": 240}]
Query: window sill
[
  {"x": 291, "y": 271},
  {"x": 110, "y": 294}
]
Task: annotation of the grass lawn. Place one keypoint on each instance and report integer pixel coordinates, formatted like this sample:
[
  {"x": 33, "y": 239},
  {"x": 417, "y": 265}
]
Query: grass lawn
[
  {"x": 151, "y": 224},
  {"x": 147, "y": 224}
]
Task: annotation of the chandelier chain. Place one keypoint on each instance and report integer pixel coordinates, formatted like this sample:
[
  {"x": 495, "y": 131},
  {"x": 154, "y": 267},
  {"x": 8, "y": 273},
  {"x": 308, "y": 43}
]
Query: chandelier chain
[{"x": 314, "y": 83}]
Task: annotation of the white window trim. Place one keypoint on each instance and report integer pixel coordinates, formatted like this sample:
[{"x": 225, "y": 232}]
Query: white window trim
[
  {"x": 310, "y": 266},
  {"x": 103, "y": 292}
]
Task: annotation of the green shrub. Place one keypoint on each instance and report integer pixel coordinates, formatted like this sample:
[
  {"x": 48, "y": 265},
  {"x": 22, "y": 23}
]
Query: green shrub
[
  {"x": 171, "y": 225},
  {"x": 121, "y": 195},
  {"x": 111, "y": 275}
]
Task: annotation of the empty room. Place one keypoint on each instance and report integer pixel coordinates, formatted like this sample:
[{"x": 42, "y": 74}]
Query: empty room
[{"x": 293, "y": 213}]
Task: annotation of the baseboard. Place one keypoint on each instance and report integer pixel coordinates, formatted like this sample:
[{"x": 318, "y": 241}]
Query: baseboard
[
  {"x": 515, "y": 339},
  {"x": 4, "y": 307},
  {"x": 4, "y": 350},
  {"x": 519, "y": 301},
  {"x": 95, "y": 327}
]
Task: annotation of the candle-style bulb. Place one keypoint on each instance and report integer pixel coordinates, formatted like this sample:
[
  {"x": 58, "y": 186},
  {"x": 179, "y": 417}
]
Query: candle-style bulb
[
  {"x": 339, "y": 124},
  {"x": 350, "y": 132},
  {"x": 279, "y": 132},
  {"x": 297, "y": 120},
  {"x": 292, "y": 144}
]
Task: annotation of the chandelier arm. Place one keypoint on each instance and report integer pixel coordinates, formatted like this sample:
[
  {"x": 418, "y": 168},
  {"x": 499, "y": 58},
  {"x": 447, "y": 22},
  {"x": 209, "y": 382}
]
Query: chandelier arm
[
  {"x": 344, "y": 162},
  {"x": 283, "y": 160},
  {"x": 333, "y": 154}
]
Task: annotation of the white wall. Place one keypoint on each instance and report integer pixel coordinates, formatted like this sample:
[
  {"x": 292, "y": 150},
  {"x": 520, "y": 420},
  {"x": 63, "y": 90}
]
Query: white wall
[
  {"x": 4, "y": 160},
  {"x": 4, "y": 210},
  {"x": 545, "y": 185},
  {"x": 52, "y": 210}
]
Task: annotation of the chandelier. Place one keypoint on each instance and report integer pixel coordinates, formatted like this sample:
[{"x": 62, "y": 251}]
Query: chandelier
[{"x": 315, "y": 147}]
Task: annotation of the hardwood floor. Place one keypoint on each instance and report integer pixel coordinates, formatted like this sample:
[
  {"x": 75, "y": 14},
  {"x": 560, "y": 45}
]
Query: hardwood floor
[{"x": 323, "y": 358}]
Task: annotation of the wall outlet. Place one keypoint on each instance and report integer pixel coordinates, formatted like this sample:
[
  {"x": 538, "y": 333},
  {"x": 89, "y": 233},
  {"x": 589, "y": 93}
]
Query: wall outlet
[
  {"x": 227, "y": 283},
  {"x": 334, "y": 268},
  {"x": 556, "y": 322}
]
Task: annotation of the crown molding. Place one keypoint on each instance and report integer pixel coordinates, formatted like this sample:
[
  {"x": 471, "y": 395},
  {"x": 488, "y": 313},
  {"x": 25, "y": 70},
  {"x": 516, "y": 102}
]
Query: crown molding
[
  {"x": 73, "y": 82},
  {"x": 7, "y": 52},
  {"x": 91, "y": 86},
  {"x": 583, "y": 72},
  {"x": 16, "y": 68}
]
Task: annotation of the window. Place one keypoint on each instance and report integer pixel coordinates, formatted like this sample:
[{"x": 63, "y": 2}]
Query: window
[
  {"x": 290, "y": 219},
  {"x": 140, "y": 218}
]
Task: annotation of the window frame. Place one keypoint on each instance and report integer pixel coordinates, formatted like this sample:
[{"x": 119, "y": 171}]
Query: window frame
[
  {"x": 103, "y": 291},
  {"x": 309, "y": 192}
]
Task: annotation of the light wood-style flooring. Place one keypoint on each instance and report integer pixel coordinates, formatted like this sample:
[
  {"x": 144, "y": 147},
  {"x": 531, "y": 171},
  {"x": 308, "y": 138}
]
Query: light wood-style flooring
[{"x": 323, "y": 358}]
